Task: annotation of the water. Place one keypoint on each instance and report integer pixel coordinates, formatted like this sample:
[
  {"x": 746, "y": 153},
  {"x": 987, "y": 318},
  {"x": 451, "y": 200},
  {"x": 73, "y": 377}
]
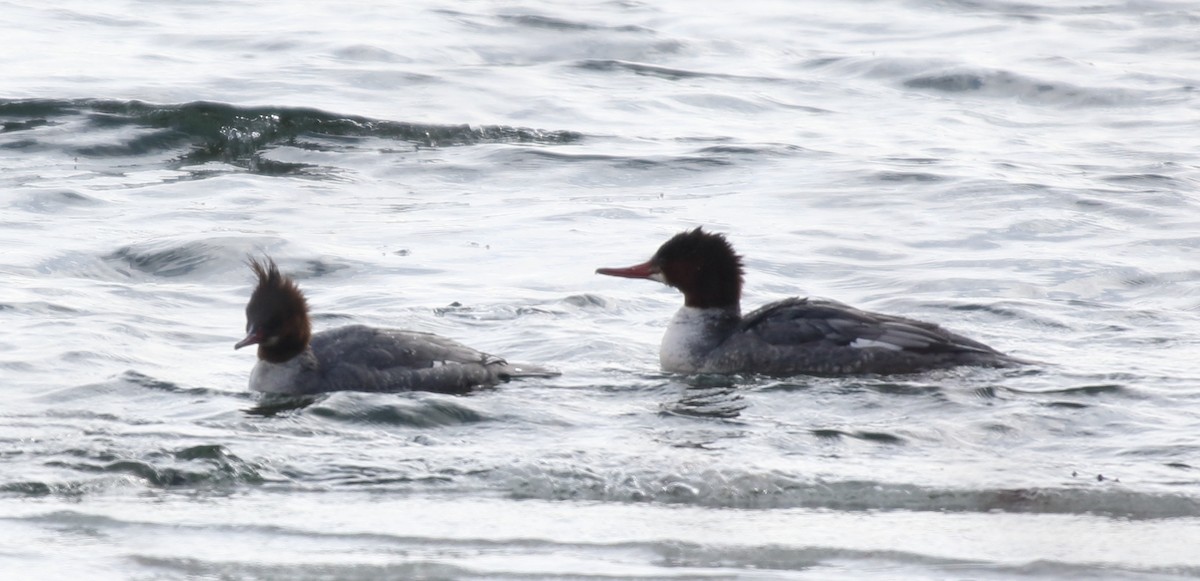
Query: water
[{"x": 1023, "y": 174}]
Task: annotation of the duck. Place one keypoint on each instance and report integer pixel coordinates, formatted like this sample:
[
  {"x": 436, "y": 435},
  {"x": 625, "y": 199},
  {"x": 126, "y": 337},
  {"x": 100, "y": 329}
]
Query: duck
[
  {"x": 293, "y": 360},
  {"x": 793, "y": 336}
]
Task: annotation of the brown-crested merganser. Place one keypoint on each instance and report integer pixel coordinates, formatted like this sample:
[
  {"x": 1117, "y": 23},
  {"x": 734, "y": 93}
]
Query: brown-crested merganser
[
  {"x": 293, "y": 360},
  {"x": 794, "y": 336}
]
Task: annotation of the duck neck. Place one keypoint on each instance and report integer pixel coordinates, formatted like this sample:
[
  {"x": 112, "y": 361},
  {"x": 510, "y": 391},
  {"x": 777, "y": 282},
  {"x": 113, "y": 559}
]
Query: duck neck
[
  {"x": 283, "y": 349},
  {"x": 727, "y": 295},
  {"x": 693, "y": 333}
]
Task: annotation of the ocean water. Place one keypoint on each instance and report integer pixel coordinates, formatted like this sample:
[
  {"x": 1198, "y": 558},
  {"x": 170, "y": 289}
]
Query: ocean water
[{"x": 1022, "y": 173}]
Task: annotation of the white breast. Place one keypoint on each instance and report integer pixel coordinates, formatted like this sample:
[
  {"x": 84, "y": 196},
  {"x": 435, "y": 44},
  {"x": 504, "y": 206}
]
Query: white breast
[
  {"x": 284, "y": 377},
  {"x": 689, "y": 339}
]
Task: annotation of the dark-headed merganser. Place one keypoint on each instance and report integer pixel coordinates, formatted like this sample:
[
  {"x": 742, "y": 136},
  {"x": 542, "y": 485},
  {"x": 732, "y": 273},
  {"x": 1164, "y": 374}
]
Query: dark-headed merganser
[
  {"x": 790, "y": 337},
  {"x": 292, "y": 360}
]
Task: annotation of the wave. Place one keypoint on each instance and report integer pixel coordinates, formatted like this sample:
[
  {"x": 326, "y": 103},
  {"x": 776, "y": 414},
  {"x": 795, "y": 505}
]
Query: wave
[
  {"x": 714, "y": 488},
  {"x": 422, "y": 411},
  {"x": 503, "y": 545},
  {"x": 201, "y": 132},
  {"x": 957, "y": 78},
  {"x": 89, "y": 470},
  {"x": 170, "y": 258},
  {"x": 663, "y": 72},
  {"x": 562, "y": 24},
  {"x": 1005, "y": 84}
]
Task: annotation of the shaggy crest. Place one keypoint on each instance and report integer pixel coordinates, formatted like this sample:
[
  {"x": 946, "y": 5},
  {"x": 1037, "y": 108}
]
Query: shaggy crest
[
  {"x": 272, "y": 285},
  {"x": 704, "y": 266},
  {"x": 277, "y": 314}
]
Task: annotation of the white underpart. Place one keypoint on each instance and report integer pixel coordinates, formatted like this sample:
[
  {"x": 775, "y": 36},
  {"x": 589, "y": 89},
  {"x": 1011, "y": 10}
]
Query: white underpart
[
  {"x": 685, "y": 343},
  {"x": 861, "y": 343},
  {"x": 270, "y": 377}
]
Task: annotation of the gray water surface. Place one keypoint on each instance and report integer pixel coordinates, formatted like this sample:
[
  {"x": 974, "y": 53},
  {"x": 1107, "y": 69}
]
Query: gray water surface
[{"x": 1025, "y": 175}]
